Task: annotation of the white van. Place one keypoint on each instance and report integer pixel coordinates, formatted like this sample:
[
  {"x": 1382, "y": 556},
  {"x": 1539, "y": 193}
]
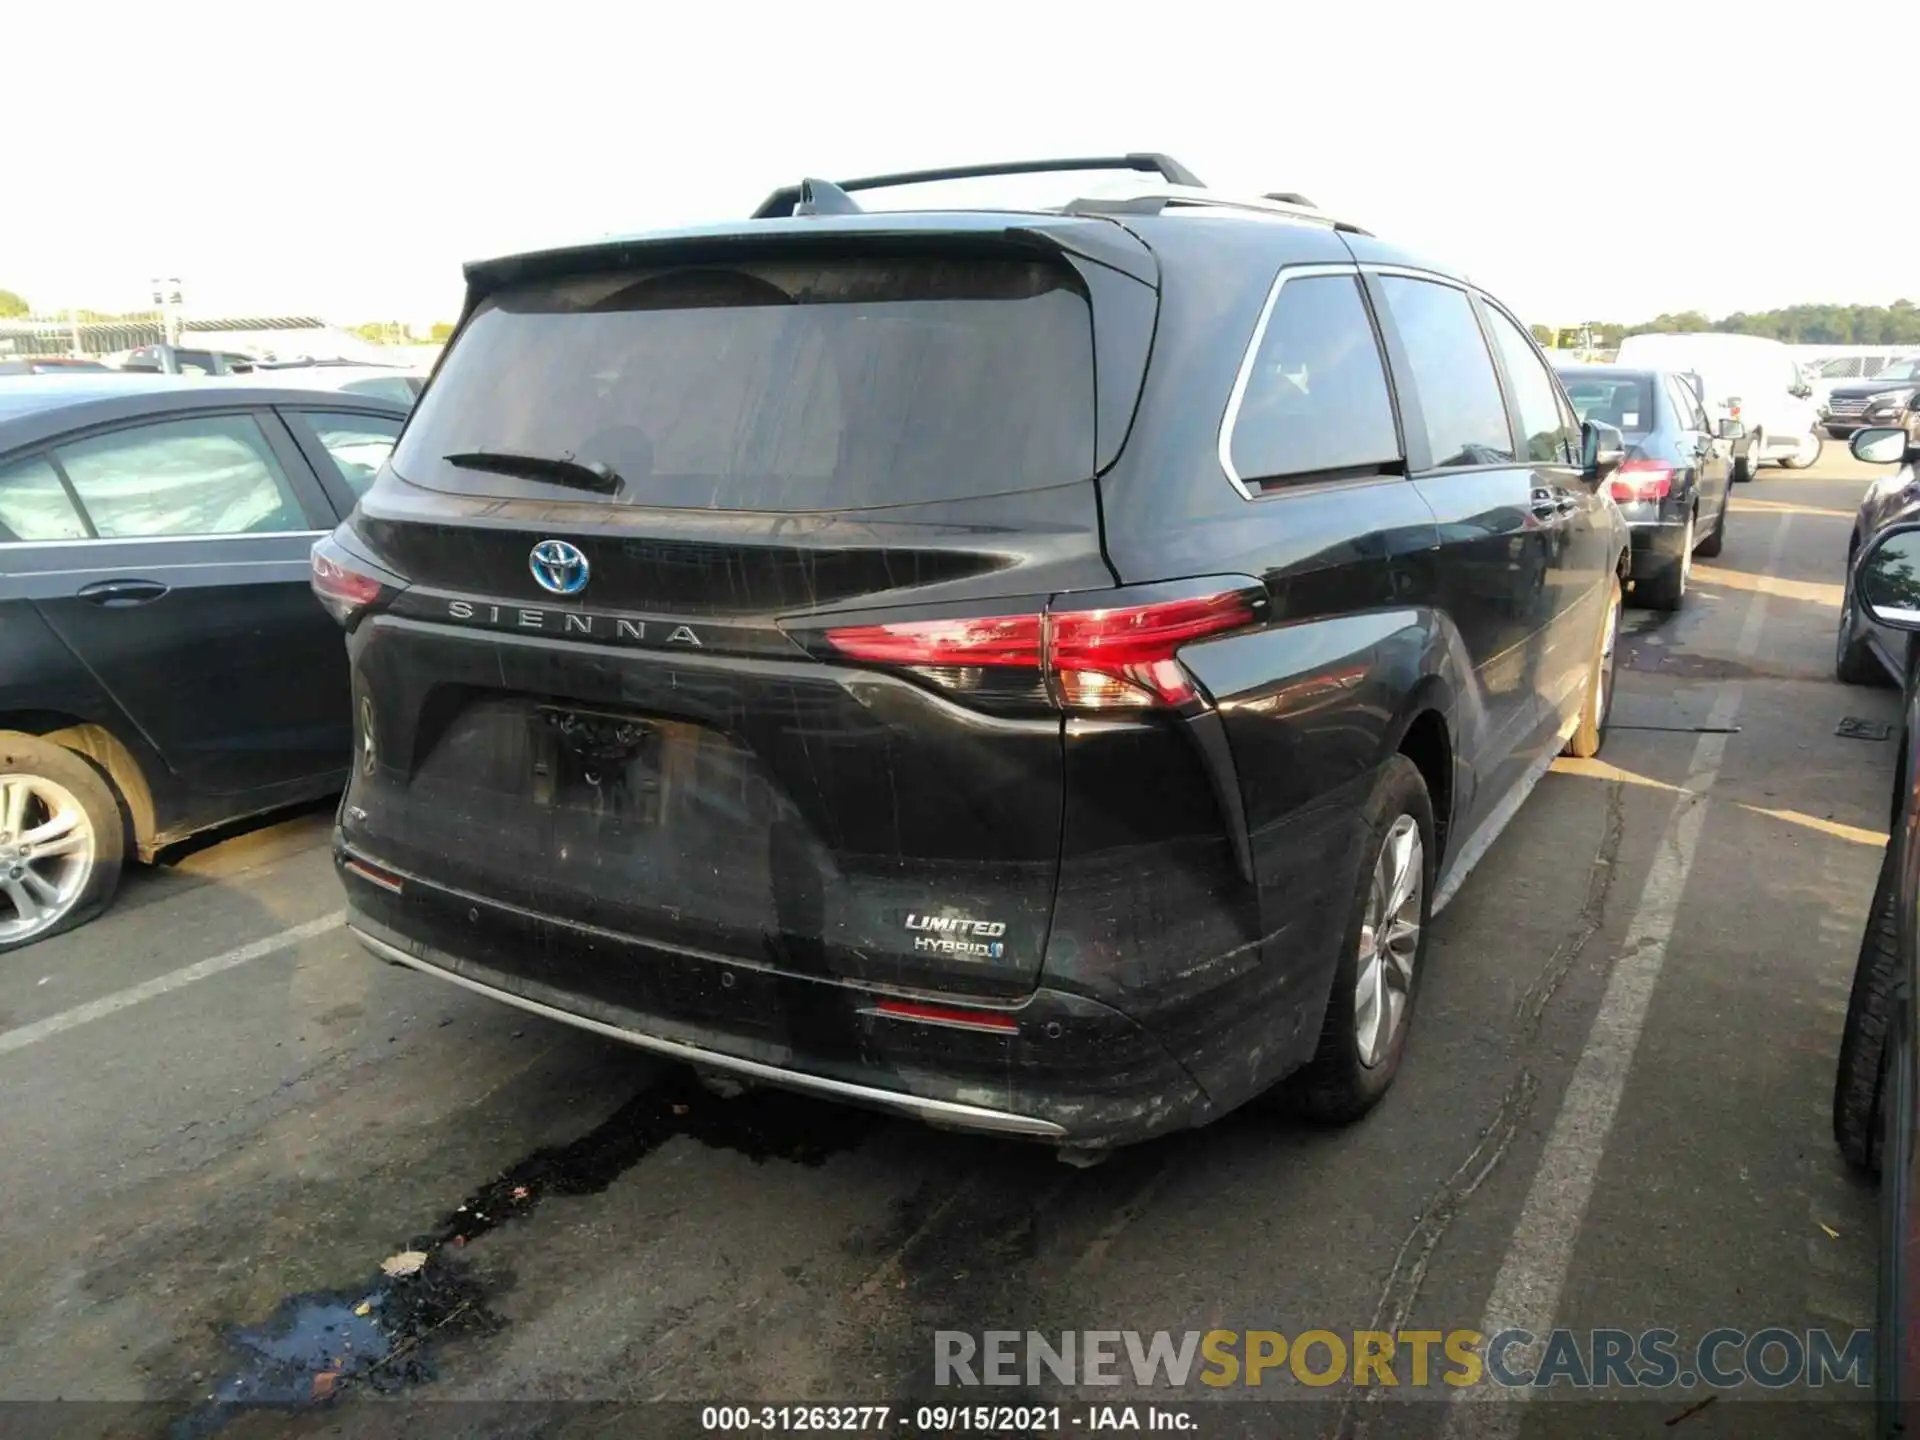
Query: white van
[{"x": 1746, "y": 378}]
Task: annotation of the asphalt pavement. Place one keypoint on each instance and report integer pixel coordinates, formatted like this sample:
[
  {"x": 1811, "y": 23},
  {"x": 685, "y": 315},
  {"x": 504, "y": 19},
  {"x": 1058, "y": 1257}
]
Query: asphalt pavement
[{"x": 218, "y": 1118}]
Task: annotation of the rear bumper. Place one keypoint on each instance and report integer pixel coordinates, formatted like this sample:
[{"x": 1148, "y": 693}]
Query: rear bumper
[
  {"x": 1071, "y": 1071},
  {"x": 1657, "y": 547},
  {"x": 971, "y": 1117}
]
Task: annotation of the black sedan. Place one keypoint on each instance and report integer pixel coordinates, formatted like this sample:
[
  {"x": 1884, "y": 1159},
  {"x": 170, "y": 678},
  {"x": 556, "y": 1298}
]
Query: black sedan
[
  {"x": 1883, "y": 400},
  {"x": 164, "y": 666},
  {"x": 1673, "y": 487},
  {"x": 1874, "y": 1101}
]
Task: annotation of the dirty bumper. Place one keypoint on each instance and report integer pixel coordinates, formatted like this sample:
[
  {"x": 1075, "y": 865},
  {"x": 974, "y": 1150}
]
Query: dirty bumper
[{"x": 1056, "y": 1066}]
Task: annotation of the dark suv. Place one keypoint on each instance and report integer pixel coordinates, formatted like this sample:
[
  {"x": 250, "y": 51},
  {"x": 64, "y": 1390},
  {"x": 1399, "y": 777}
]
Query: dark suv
[{"x": 1038, "y": 671}]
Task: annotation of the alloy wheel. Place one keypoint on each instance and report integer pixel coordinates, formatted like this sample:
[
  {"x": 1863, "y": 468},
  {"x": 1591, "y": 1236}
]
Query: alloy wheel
[
  {"x": 1389, "y": 941},
  {"x": 47, "y": 849}
]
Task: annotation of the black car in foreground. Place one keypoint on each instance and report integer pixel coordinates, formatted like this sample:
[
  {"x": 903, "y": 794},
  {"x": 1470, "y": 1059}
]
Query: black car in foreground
[
  {"x": 1881, "y": 401},
  {"x": 1676, "y": 481},
  {"x": 1876, "y": 1102},
  {"x": 163, "y": 665},
  {"x": 1038, "y": 671}
]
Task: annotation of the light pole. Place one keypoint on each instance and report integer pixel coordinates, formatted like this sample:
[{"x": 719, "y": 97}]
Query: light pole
[{"x": 166, "y": 295}]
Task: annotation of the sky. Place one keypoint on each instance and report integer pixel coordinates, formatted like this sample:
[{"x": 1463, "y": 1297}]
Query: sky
[{"x": 342, "y": 158}]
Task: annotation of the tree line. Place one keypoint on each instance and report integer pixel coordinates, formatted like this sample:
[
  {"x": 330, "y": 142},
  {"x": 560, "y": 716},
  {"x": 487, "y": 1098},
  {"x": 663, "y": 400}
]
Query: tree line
[{"x": 1895, "y": 324}]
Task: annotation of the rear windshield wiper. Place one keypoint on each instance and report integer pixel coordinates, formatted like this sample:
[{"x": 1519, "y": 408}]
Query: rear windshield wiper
[{"x": 575, "y": 474}]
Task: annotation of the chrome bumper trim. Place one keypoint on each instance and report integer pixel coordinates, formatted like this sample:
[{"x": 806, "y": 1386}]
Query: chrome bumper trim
[{"x": 936, "y": 1112}]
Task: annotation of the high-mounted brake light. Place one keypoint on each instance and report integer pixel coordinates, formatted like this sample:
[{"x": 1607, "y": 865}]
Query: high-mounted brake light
[
  {"x": 1099, "y": 659},
  {"x": 342, "y": 589},
  {"x": 1638, "y": 480}
]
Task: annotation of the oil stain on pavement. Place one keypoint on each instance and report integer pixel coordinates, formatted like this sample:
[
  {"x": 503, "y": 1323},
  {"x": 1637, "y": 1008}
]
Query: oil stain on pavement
[{"x": 381, "y": 1336}]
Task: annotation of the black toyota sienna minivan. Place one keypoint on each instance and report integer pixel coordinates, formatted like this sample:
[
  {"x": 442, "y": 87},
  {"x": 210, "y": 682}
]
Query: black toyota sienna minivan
[{"x": 1038, "y": 671}]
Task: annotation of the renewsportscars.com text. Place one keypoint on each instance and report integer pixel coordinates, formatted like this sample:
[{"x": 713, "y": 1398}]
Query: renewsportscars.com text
[{"x": 1772, "y": 1358}]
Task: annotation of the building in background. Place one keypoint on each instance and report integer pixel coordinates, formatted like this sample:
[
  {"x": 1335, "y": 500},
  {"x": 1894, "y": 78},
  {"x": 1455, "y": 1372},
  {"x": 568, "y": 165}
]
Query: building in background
[{"x": 279, "y": 337}]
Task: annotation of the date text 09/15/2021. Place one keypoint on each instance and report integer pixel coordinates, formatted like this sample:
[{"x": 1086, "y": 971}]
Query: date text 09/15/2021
[{"x": 946, "y": 1419}]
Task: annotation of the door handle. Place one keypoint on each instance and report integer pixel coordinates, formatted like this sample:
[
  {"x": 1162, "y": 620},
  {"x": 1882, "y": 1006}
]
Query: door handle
[{"x": 121, "y": 593}]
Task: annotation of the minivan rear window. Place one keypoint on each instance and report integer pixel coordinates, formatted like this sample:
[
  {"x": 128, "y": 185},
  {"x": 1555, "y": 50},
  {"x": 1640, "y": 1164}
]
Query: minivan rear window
[{"x": 791, "y": 385}]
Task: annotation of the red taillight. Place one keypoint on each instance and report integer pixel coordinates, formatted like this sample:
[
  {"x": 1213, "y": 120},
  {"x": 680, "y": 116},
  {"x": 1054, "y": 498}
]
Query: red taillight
[
  {"x": 1641, "y": 480},
  {"x": 947, "y": 1015},
  {"x": 343, "y": 590},
  {"x": 1118, "y": 658},
  {"x": 998, "y": 640}
]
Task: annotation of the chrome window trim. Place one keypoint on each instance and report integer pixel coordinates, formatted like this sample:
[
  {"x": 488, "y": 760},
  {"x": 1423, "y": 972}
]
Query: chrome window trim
[{"x": 1224, "y": 445}]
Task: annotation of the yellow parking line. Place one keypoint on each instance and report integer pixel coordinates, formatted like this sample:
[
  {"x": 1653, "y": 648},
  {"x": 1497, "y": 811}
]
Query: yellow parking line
[
  {"x": 1818, "y": 592},
  {"x": 1855, "y": 833},
  {"x": 1787, "y": 507},
  {"x": 1601, "y": 770}
]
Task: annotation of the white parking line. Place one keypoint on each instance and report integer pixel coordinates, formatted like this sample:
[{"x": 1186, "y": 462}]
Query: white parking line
[
  {"x": 173, "y": 980},
  {"x": 1526, "y": 1292}
]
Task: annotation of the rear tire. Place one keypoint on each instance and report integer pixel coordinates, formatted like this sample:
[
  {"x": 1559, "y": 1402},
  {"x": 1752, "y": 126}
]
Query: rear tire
[
  {"x": 1716, "y": 541},
  {"x": 1747, "y": 466},
  {"x": 1859, "y": 1081},
  {"x": 1591, "y": 733},
  {"x": 1380, "y": 965},
  {"x": 71, "y": 873},
  {"x": 1668, "y": 590},
  {"x": 1853, "y": 661}
]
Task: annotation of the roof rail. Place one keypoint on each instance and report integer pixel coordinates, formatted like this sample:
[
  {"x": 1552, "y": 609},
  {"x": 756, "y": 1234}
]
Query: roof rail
[
  {"x": 1150, "y": 199},
  {"x": 788, "y": 199}
]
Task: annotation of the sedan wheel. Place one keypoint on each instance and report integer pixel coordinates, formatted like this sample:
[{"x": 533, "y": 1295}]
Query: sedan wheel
[
  {"x": 46, "y": 855},
  {"x": 1389, "y": 941},
  {"x": 61, "y": 839}
]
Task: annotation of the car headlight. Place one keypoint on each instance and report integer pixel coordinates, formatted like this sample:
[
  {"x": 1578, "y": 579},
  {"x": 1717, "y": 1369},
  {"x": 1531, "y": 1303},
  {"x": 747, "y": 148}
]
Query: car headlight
[{"x": 1891, "y": 400}]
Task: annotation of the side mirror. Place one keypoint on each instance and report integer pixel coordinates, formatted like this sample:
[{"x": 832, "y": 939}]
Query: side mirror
[
  {"x": 1888, "y": 580},
  {"x": 1802, "y": 391},
  {"x": 1732, "y": 430},
  {"x": 1602, "y": 448},
  {"x": 1879, "y": 445}
]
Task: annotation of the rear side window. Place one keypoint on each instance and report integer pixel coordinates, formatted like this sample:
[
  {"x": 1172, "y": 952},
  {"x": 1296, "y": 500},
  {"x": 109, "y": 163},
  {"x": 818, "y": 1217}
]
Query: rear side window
[
  {"x": 1460, "y": 401},
  {"x": 359, "y": 444},
  {"x": 1316, "y": 399},
  {"x": 791, "y": 385},
  {"x": 211, "y": 475},
  {"x": 34, "y": 504},
  {"x": 1541, "y": 423}
]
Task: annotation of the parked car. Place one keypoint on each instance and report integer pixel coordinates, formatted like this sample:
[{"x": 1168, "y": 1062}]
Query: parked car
[
  {"x": 48, "y": 365},
  {"x": 1827, "y": 371},
  {"x": 1029, "y": 670},
  {"x": 1747, "y": 378},
  {"x": 1865, "y": 654},
  {"x": 163, "y": 665},
  {"x": 179, "y": 360},
  {"x": 394, "y": 382},
  {"x": 1876, "y": 1101},
  {"x": 1882, "y": 400},
  {"x": 1675, "y": 483}
]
